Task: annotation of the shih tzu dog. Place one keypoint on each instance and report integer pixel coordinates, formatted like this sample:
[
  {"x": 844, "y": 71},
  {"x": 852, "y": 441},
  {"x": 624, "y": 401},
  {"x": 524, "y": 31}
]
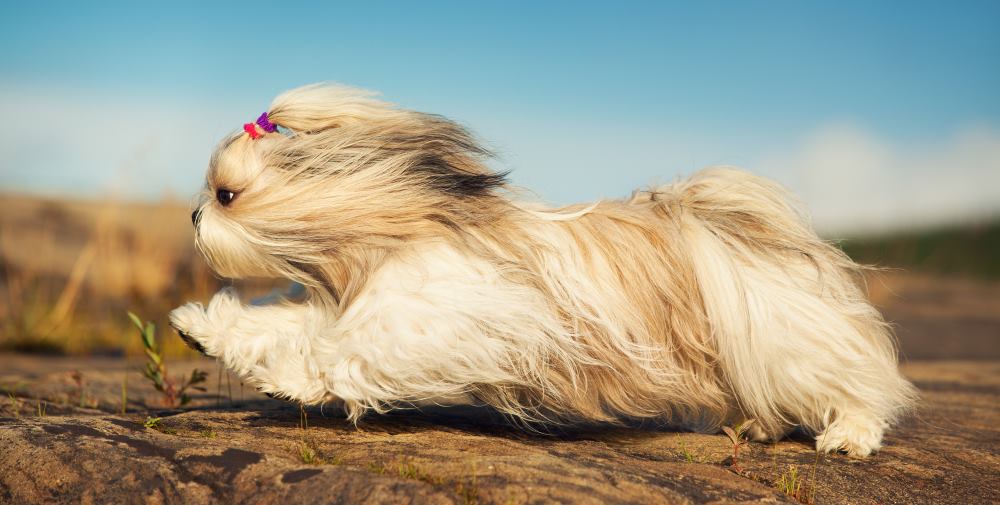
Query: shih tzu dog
[{"x": 697, "y": 303}]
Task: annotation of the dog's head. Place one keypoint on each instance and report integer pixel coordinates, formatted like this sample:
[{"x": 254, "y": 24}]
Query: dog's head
[{"x": 343, "y": 173}]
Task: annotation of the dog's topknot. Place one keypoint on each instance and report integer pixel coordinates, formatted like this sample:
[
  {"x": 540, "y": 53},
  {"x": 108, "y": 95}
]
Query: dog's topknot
[{"x": 350, "y": 171}]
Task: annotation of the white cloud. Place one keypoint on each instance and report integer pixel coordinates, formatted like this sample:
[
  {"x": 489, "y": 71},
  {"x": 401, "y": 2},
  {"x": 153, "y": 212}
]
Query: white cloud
[
  {"x": 855, "y": 182},
  {"x": 94, "y": 144}
]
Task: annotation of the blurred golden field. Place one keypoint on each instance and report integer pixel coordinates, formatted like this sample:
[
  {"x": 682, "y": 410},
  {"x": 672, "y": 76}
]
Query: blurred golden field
[{"x": 70, "y": 269}]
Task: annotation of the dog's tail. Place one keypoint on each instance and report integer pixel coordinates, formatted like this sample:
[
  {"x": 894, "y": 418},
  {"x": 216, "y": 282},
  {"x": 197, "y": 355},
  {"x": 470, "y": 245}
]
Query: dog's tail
[{"x": 797, "y": 339}]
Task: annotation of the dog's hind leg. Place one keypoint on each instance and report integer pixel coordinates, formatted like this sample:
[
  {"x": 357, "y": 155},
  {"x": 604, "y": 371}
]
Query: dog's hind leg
[{"x": 798, "y": 341}]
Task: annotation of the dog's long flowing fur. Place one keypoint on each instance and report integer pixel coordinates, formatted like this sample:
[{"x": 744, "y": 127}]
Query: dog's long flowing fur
[{"x": 699, "y": 303}]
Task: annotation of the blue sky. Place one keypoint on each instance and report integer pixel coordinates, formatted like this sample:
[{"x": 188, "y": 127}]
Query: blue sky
[{"x": 878, "y": 114}]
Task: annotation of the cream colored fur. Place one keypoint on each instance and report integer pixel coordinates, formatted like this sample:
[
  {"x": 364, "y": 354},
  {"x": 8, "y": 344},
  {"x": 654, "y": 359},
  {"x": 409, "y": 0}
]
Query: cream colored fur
[{"x": 697, "y": 303}]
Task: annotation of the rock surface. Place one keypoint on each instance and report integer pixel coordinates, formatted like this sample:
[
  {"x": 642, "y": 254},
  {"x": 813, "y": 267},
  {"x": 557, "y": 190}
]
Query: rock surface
[
  {"x": 65, "y": 439},
  {"x": 257, "y": 451}
]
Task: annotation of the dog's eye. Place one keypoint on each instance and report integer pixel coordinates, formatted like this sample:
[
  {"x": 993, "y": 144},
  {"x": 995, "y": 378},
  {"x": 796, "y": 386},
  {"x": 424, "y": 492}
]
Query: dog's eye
[{"x": 224, "y": 196}]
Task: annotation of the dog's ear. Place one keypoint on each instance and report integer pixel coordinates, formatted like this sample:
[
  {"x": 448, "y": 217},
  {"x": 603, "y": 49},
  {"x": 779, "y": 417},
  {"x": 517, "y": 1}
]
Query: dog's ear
[{"x": 448, "y": 158}]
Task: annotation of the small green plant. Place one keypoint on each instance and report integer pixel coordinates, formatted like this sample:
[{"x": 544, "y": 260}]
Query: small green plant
[
  {"x": 790, "y": 483},
  {"x": 406, "y": 469},
  {"x": 156, "y": 368},
  {"x": 688, "y": 455},
  {"x": 156, "y": 423},
  {"x": 41, "y": 408},
  {"x": 81, "y": 390},
  {"x": 738, "y": 436},
  {"x": 15, "y": 404},
  {"x": 207, "y": 433},
  {"x": 310, "y": 455},
  {"x": 812, "y": 495},
  {"x": 308, "y": 452}
]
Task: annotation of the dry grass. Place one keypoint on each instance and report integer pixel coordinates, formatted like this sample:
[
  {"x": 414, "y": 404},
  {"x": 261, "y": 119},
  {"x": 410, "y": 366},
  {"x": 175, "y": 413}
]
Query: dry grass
[
  {"x": 70, "y": 269},
  {"x": 687, "y": 454},
  {"x": 310, "y": 455},
  {"x": 156, "y": 423}
]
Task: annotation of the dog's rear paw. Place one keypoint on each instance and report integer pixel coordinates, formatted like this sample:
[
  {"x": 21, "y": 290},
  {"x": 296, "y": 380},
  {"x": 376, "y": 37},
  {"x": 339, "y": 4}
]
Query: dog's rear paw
[
  {"x": 757, "y": 434},
  {"x": 855, "y": 437},
  {"x": 190, "y": 323}
]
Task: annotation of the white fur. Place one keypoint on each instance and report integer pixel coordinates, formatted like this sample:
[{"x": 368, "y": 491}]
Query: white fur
[{"x": 540, "y": 316}]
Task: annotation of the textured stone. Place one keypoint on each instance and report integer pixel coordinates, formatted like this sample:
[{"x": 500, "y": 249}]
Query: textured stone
[{"x": 251, "y": 451}]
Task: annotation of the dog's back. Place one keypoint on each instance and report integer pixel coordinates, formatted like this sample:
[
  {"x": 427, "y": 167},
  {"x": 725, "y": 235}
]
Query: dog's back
[{"x": 720, "y": 301}]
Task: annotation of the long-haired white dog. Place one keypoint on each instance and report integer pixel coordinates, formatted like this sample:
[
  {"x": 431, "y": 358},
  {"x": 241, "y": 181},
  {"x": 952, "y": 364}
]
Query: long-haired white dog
[{"x": 697, "y": 303}]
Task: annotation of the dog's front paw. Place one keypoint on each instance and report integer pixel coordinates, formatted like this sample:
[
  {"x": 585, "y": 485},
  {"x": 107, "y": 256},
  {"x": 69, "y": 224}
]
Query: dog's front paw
[
  {"x": 192, "y": 325},
  {"x": 201, "y": 327}
]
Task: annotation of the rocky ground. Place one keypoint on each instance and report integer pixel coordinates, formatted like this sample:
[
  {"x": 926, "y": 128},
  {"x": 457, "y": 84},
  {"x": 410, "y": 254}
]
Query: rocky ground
[{"x": 65, "y": 439}]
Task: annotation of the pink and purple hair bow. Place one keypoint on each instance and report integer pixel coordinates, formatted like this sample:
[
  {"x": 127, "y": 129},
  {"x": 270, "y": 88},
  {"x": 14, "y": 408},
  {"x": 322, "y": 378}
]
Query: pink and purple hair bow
[{"x": 264, "y": 123}]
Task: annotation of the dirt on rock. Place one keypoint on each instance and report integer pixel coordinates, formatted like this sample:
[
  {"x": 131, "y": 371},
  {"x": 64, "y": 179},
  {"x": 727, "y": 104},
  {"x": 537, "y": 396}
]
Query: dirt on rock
[{"x": 65, "y": 439}]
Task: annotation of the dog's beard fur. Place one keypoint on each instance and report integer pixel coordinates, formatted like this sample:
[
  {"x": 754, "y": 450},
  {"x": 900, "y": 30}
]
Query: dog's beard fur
[{"x": 699, "y": 302}]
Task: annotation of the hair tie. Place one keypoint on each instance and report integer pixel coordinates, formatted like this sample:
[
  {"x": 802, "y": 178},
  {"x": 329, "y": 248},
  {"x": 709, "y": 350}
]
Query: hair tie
[
  {"x": 265, "y": 124},
  {"x": 252, "y": 130}
]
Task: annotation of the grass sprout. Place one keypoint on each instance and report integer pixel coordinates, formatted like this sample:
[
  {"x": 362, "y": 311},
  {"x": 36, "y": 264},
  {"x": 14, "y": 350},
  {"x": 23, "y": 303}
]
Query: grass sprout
[
  {"x": 738, "y": 436},
  {"x": 174, "y": 394},
  {"x": 15, "y": 404},
  {"x": 156, "y": 423}
]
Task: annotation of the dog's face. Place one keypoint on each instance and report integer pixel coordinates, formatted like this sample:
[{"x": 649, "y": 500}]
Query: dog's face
[{"x": 353, "y": 174}]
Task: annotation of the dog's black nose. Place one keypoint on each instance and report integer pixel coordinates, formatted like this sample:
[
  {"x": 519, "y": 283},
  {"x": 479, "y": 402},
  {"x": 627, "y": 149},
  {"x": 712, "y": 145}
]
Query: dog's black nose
[{"x": 196, "y": 216}]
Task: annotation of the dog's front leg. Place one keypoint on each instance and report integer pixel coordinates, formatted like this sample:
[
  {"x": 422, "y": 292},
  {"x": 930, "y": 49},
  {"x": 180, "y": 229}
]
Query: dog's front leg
[
  {"x": 269, "y": 346},
  {"x": 206, "y": 329}
]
